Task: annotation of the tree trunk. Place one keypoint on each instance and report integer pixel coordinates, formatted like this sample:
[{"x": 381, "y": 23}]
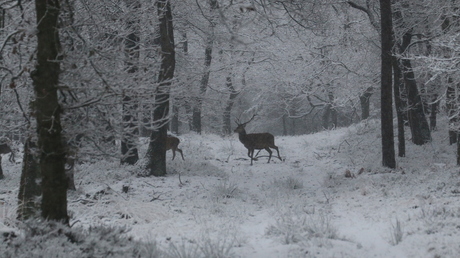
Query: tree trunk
[
  {"x": 198, "y": 108},
  {"x": 399, "y": 107},
  {"x": 333, "y": 110},
  {"x": 156, "y": 152},
  {"x": 388, "y": 152},
  {"x": 458, "y": 151},
  {"x": 175, "y": 119},
  {"x": 130, "y": 154},
  {"x": 420, "y": 129},
  {"x": 45, "y": 78},
  {"x": 1, "y": 169},
  {"x": 29, "y": 188},
  {"x": 228, "y": 107},
  {"x": 326, "y": 116},
  {"x": 451, "y": 104},
  {"x": 365, "y": 102},
  {"x": 175, "y": 107},
  {"x": 285, "y": 131},
  {"x": 433, "y": 112},
  {"x": 399, "y": 91},
  {"x": 129, "y": 150},
  {"x": 2, "y": 25},
  {"x": 418, "y": 124}
]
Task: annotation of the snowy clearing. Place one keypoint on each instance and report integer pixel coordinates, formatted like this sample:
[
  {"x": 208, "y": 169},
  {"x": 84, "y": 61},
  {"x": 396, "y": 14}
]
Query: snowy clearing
[{"x": 306, "y": 206}]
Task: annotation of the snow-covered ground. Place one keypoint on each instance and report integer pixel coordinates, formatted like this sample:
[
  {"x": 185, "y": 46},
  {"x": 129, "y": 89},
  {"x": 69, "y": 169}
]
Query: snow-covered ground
[{"x": 330, "y": 197}]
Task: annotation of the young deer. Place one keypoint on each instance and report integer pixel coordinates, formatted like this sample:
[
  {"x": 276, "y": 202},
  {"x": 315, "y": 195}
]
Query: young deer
[
  {"x": 5, "y": 149},
  {"x": 172, "y": 143},
  {"x": 256, "y": 141}
]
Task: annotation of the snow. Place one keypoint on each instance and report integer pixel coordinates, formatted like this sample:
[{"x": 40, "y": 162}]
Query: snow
[{"x": 303, "y": 206}]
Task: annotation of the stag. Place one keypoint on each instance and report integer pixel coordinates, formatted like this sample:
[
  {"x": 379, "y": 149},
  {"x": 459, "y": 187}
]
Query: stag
[
  {"x": 256, "y": 141},
  {"x": 5, "y": 149},
  {"x": 172, "y": 143}
]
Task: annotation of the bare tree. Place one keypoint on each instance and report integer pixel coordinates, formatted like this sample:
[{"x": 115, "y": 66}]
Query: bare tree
[
  {"x": 398, "y": 84},
  {"x": 388, "y": 152},
  {"x": 197, "y": 109},
  {"x": 48, "y": 111},
  {"x": 130, "y": 107},
  {"x": 156, "y": 153}
]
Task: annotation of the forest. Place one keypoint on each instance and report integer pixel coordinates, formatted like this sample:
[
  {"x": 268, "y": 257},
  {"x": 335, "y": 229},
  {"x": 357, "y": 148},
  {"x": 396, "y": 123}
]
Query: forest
[{"x": 92, "y": 86}]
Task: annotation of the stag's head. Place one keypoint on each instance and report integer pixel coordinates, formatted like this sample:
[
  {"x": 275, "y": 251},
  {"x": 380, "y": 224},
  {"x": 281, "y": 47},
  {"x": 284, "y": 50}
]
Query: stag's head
[{"x": 240, "y": 126}]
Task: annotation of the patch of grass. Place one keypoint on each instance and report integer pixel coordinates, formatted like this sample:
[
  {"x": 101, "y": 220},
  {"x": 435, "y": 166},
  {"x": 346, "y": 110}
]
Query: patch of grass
[
  {"x": 295, "y": 228},
  {"x": 183, "y": 250},
  {"x": 226, "y": 189},
  {"x": 220, "y": 247},
  {"x": 290, "y": 183}
]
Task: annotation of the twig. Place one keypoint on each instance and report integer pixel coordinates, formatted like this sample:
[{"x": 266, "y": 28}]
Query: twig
[
  {"x": 116, "y": 192},
  {"x": 156, "y": 198},
  {"x": 180, "y": 181},
  {"x": 325, "y": 196},
  {"x": 75, "y": 222},
  {"x": 340, "y": 145}
]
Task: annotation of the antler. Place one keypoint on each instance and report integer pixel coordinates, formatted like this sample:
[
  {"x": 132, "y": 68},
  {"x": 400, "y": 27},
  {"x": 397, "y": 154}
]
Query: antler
[
  {"x": 251, "y": 119},
  {"x": 237, "y": 120}
]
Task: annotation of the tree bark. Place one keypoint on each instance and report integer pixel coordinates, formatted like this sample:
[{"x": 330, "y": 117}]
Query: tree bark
[
  {"x": 397, "y": 83},
  {"x": 399, "y": 91},
  {"x": 29, "y": 188},
  {"x": 334, "y": 118},
  {"x": 458, "y": 151},
  {"x": 175, "y": 119},
  {"x": 228, "y": 107},
  {"x": 175, "y": 107},
  {"x": 388, "y": 152},
  {"x": 156, "y": 152},
  {"x": 451, "y": 104},
  {"x": 364, "y": 100},
  {"x": 130, "y": 154},
  {"x": 45, "y": 78},
  {"x": 326, "y": 116},
  {"x": 198, "y": 108},
  {"x": 433, "y": 112},
  {"x": 418, "y": 123}
]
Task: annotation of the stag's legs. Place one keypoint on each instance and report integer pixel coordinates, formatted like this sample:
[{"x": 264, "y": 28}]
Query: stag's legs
[
  {"x": 277, "y": 151},
  {"x": 174, "y": 153},
  {"x": 257, "y": 154},
  {"x": 251, "y": 154},
  {"x": 180, "y": 151},
  {"x": 270, "y": 154}
]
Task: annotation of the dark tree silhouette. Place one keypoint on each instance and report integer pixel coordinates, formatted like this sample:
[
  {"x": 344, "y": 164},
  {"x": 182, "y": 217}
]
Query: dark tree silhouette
[
  {"x": 156, "y": 152},
  {"x": 45, "y": 79},
  {"x": 388, "y": 152}
]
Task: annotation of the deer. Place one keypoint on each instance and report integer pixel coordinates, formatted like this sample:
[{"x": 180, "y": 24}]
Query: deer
[
  {"x": 172, "y": 143},
  {"x": 256, "y": 141},
  {"x": 5, "y": 149}
]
